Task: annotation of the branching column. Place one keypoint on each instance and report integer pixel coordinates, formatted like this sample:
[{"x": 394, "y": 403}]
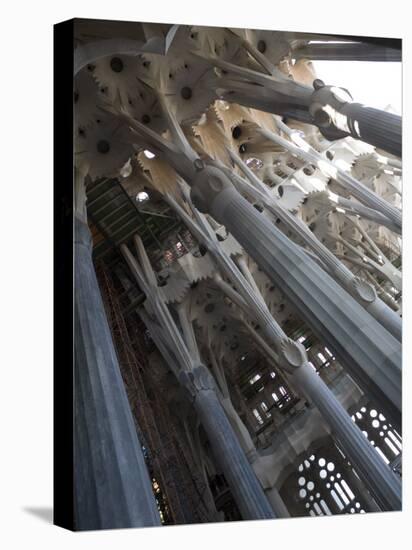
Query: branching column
[
  {"x": 363, "y": 292},
  {"x": 368, "y": 351},
  {"x": 195, "y": 378}
]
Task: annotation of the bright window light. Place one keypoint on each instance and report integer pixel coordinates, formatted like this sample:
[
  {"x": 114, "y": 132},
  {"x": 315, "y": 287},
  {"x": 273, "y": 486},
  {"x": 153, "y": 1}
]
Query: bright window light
[
  {"x": 142, "y": 196},
  {"x": 254, "y": 379}
]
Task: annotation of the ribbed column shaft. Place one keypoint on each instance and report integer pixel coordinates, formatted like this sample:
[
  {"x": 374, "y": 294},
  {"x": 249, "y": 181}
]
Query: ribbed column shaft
[
  {"x": 112, "y": 485},
  {"x": 244, "y": 485},
  {"x": 386, "y": 316},
  {"x": 379, "y": 128}
]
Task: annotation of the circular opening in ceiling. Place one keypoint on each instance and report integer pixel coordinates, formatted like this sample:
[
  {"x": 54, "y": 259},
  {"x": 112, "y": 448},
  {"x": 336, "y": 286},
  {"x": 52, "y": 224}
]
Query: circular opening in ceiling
[
  {"x": 308, "y": 170},
  {"x": 103, "y": 146},
  {"x": 261, "y": 46},
  {"x": 186, "y": 92},
  {"x": 236, "y": 132},
  {"x": 116, "y": 64}
]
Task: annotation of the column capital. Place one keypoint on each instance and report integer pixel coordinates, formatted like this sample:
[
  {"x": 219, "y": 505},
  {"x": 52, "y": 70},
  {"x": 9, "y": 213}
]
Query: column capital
[
  {"x": 196, "y": 380},
  {"x": 325, "y": 108},
  {"x": 292, "y": 354},
  {"x": 364, "y": 290}
]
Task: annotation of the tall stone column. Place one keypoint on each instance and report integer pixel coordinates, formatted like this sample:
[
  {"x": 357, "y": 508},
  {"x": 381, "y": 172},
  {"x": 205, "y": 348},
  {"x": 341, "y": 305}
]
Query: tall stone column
[
  {"x": 112, "y": 485},
  {"x": 244, "y": 485},
  {"x": 368, "y": 351}
]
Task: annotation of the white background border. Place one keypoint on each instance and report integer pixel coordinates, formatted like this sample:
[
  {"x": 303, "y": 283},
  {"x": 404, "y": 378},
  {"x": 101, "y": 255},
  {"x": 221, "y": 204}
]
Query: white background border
[{"x": 26, "y": 241}]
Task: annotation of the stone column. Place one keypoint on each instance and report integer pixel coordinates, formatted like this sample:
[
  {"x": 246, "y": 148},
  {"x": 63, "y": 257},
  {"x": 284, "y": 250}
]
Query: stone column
[
  {"x": 111, "y": 482},
  {"x": 337, "y": 116},
  {"x": 368, "y": 351},
  {"x": 379, "y": 128},
  {"x": 244, "y": 485}
]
